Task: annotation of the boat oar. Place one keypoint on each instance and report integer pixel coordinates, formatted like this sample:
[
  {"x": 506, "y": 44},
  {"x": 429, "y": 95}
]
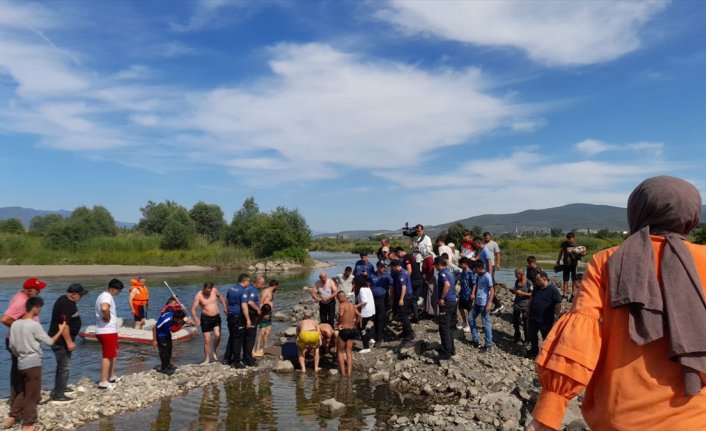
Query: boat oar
[{"x": 180, "y": 303}]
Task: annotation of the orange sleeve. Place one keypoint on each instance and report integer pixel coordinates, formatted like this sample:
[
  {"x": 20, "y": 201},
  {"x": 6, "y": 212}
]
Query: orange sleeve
[{"x": 570, "y": 353}]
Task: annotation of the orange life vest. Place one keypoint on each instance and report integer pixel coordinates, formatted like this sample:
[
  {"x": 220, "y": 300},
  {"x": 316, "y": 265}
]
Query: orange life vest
[{"x": 142, "y": 297}]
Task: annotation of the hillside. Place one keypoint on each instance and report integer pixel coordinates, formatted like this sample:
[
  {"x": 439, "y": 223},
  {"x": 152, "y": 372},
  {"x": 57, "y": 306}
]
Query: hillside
[
  {"x": 578, "y": 217},
  {"x": 27, "y": 214}
]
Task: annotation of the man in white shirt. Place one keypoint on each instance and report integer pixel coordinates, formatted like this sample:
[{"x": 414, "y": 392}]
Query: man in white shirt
[
  {"x": 344, "y": 282},
  {"x": 422, "y": 245},
  {"x": 107, "y": 332},
  {"x": 366, "y": 303}
]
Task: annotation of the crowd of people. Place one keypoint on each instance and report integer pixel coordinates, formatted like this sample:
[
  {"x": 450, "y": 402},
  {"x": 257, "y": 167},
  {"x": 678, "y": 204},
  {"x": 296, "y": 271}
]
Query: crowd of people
[{"x": 434, "y": 281}]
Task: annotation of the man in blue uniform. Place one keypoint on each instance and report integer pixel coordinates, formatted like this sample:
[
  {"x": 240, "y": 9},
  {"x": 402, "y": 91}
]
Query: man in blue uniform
[
  {"x": 251, "y": 312},
  {"x": 236, "y": 330},
  {"x": 363, "y": 266},
  {"x": 380, "y": 283},
  {"x": 446, "y": 286},
  {"x": 402, "y": 287}
]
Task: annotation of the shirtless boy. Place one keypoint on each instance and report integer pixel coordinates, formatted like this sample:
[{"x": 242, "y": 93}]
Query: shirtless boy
[
  {"x": 328, "y": 338},
  {"x": 267, "y": 297},
  {"x": 308, "y": 341},
  {"x": 210, "y": 321},
  {"x": 348, "y": 318}
]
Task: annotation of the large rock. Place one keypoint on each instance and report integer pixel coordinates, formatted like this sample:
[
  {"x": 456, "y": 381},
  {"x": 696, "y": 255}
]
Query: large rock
[
  {"x": 331, "y": 407},
  {"x": 290, "y": 332},
  {"x": 284, "y": 367}
]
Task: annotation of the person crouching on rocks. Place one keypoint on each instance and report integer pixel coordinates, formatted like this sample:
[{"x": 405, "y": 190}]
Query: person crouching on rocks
[
  {"x": 26, "y": 334},
  {"x": 308, "y": 341},
  {"x": 168, "y": 322},
  {"x": 348, "y": 319}
]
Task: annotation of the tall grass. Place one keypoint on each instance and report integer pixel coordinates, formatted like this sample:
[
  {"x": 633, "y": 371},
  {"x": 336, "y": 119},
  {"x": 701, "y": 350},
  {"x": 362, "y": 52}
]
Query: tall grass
[{"x": 124, "y": 249}]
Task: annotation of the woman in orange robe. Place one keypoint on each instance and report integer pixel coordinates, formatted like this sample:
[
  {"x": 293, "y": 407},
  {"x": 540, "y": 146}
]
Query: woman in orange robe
[{"x": 635, "y": 338}]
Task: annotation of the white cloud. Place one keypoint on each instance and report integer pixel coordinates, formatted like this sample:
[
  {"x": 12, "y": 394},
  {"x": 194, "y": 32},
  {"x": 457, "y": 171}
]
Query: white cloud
[
  {"x": 549, "y": 32},
  {"x": 506, "y": 184},
  {"x": 592, "y": 147},
  {"x": 325, "y": 107}
]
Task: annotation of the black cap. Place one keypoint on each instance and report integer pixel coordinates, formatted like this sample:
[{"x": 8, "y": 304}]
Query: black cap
[{"x": 77, "y": 288}]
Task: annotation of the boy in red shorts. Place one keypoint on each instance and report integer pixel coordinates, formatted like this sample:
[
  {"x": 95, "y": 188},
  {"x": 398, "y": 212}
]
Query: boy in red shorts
[{"x": 107, "y": 332}]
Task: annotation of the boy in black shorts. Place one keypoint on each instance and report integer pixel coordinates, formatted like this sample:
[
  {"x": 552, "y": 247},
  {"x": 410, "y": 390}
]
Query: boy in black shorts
[
  {"x": 348, "y": 318},
  {"x": 466, "y": 281}
]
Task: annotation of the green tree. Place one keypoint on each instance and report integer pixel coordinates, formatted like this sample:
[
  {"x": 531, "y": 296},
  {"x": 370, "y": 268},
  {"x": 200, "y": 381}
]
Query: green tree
[
  {"x": 155, "y": 216},
  {"x": 179, "y": 231},
  {"x": 39, "y": 224},
  {"x": 603, "y": 234},
  {"x": 246, "y": 221},
  {"x": 12, "y": 225},
  {"x": 556, "y": 231},
  {"x": 282, "y": 229},
  {"x": 699, "y": 234},
  {"x": 476, "y": 231},
  {"x": 97, "y": 220},
  {"x": 455, "y": 234},
  {"x": 208, "y": 219}
]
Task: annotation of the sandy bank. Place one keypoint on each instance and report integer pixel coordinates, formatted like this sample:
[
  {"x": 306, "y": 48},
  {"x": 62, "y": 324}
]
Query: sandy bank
[{"x": 23, "y": 271}]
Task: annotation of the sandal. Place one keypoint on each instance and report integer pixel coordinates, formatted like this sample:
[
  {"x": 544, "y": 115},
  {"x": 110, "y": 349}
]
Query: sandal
[
  {"x": 115, "y": 379},
  {"x": 108, "y": 387}
]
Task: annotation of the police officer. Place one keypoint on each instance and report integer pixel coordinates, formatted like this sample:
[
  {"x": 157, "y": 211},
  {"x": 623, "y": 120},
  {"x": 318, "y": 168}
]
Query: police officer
[
  {"x": 446, "y": 286},
  {"x": 236, "y": 330},
  {"x": 251, "y": 311},
  {"x": 402, "y": 286}
]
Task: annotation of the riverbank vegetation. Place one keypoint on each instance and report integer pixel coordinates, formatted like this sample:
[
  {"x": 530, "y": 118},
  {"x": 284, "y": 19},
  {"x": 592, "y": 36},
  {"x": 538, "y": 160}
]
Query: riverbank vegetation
[{"x": 167, "y": 234}]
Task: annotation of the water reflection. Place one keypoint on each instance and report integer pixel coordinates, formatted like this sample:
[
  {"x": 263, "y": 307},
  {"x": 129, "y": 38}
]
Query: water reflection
[{"x": 268, "y": 402}]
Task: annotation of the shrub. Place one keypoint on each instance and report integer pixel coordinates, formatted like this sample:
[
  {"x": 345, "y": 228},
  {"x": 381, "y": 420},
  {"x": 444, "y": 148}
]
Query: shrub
[
  {"x": 179, "y": 232},
  {"x": 39, "y": 224},
  {"x": 12, "y": 225},
  {"x": 296, "y": 254}
]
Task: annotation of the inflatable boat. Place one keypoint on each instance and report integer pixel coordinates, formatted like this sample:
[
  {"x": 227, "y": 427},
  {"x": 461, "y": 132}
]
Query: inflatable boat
[{"x": 127, "y": 334}]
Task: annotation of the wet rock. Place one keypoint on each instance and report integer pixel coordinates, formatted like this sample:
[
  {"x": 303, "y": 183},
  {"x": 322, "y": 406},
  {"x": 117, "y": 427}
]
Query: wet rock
[
  {"x": 380, "y": 376},
  {"x": 290, "y": 332},
  {"x": 280, "y": 316},
  {"x": 331, "y": 407},
  {"x": 332, "y": 372},
  {"x": 284, "y": 367}
]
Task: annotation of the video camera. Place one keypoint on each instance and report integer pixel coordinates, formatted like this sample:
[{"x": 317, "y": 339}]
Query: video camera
[{"x": 409, "y": 231}]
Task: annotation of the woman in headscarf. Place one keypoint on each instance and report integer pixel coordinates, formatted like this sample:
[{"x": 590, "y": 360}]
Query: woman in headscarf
[{"x": 635, "y": 338}]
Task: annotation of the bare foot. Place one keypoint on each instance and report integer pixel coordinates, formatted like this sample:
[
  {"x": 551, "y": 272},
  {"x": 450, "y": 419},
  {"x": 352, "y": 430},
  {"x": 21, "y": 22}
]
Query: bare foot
[
  {"x": 29, "y": 427},
  {"x": 8, "y": 423},
  {"x": 258, "y": 354},
  {"x": 205, "y": 362},
  {"x": 215, "y": 357}
]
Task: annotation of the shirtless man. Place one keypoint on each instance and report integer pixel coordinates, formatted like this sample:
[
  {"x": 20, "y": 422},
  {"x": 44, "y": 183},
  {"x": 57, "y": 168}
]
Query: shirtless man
[
  {"x": 208, "y": 298},
  {"x": 328, "y": 338},
  {"x": 263, "y": 337},
  {"x": 308, "y": 341},
  {"x": 348, "y": 318}
]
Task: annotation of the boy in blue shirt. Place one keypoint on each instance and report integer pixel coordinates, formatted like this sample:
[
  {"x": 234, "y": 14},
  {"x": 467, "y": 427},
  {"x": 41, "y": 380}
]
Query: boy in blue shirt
[
  {"x": 168, "y": 322},
  {"x": 446, "y": 287},
  {"x": 466, "y": 281},
  {"x": 483, "y": 293}
]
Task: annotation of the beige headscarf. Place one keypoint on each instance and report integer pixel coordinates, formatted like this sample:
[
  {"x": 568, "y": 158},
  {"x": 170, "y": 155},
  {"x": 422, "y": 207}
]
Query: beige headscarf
[{"x": 669, "y": 207}]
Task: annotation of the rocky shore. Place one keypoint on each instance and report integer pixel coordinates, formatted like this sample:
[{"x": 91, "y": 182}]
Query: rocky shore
[
  {"x": 493, "y": 390},
  {"x": 279, "y": 265},
  {"x": 134, "y": 391}
]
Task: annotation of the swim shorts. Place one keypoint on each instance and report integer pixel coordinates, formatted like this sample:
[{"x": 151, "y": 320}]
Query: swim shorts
[
  {"x": 109, "y": 343},
  {"x": 266, "y": 322},
  {"x": 465, "y": 304},
  {"x": 138, "y": 312},
  {"x": 210, "y": 322},
  {"x": 308, "y": 339},
  {"x": 347, "y": 334}
]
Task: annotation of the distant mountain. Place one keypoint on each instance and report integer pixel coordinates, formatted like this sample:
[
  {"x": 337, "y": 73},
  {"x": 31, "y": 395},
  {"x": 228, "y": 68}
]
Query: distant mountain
[
  {"x": 576, "y": 217},
  {"x": 27, "y": 214}
]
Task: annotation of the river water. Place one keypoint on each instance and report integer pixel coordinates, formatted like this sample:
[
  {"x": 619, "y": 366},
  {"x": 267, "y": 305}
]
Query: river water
[{"x": 268, "y": 401}]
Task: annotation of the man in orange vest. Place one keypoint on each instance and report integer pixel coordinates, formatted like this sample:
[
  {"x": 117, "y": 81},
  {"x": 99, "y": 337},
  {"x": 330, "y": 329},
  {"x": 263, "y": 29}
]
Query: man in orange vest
[{"x": 139, "y": 301}]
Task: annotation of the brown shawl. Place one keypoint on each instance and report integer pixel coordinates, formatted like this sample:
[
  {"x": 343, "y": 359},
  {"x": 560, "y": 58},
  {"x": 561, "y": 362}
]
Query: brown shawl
[{"x": 669, "y": 207}]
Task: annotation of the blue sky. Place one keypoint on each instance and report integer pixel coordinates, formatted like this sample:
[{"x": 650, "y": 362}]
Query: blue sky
[{"x": 362, "y": 115}]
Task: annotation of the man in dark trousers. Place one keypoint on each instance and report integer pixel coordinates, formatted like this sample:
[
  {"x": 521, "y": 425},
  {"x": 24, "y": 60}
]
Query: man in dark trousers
[
  {"x": 65, "y": 311},
  {"x": 251, "y": 312},
  {"x": 544, "y": 305},
  {"x": 236, "y": 330},
  {"x": 402, "y": 296},
  {"x": 380, "y": 283},
  {"x": 446, "y": 286}
]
